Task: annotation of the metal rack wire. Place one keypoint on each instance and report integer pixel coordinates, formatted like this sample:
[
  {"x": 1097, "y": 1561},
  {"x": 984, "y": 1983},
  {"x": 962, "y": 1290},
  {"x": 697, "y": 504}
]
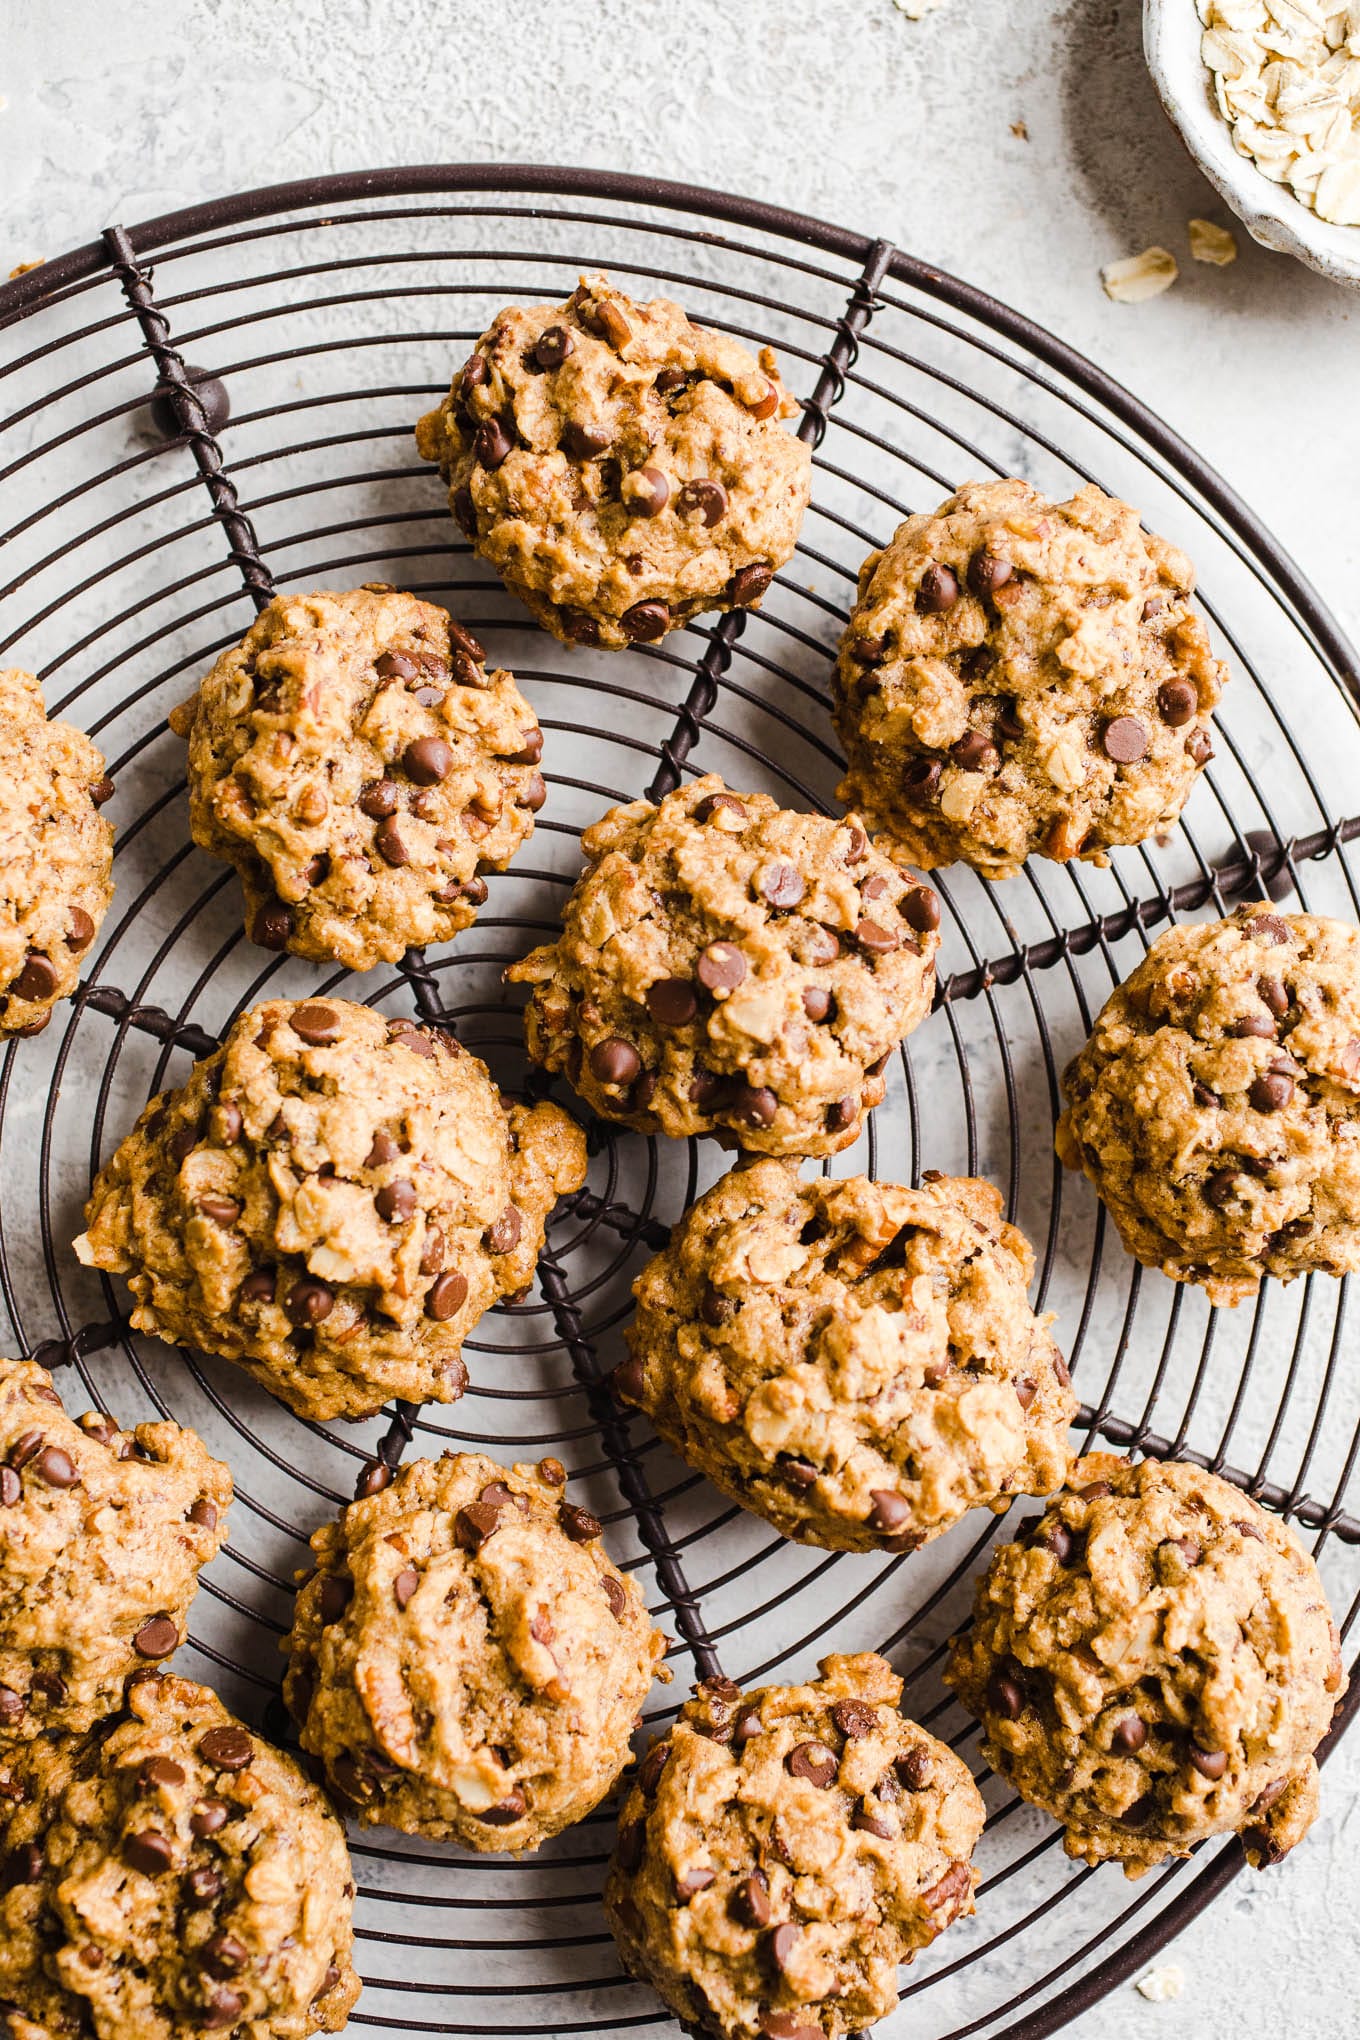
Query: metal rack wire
[{"x": 334, "y": 311}]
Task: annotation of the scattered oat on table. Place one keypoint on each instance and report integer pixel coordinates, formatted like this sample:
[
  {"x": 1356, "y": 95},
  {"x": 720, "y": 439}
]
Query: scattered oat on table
[
  {"x": 1211, "y": 243},
  {"x": 916, "y": 10},
  {"x": 1286, "y": 77},
  {"x": 1159, "y": 1986},
  {"x": 1139, "y": 277}
]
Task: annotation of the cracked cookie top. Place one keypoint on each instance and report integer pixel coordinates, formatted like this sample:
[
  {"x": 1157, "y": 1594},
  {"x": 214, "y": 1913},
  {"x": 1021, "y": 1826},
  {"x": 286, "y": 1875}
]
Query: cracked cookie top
[
  {"x": 1023, "y": 677},
  {"x": 621, "y": 468}
]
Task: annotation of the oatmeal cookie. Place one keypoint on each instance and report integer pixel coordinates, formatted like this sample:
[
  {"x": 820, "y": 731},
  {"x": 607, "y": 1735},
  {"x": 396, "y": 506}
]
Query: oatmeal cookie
[
  {"x": 855, "y": 1361},
  {"x": 1216, "y": 1107},
  {"x": 169, "y": 1876},
  {"x": 1154, "y": 1662},
  {"x": 102, "y": 1535},
  {"x": 782, "y": 1851},
  {"x": 728, "y": 967},
  {"x": 1020, "y": 676},
  {"x": 56, "y": 855},
  {"x": 358, "y": 765},
  {"x": 621, "y": 469},
  {"x": 332, "y": 1201},
  {"x": 466, "y": 1661}
]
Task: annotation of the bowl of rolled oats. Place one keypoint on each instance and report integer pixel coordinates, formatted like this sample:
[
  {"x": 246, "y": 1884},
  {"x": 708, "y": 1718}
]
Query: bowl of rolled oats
[{"x": 1266, "y": 96}]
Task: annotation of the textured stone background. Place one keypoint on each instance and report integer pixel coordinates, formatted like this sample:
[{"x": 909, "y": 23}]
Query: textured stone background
[{"x": 119, "y": 109}]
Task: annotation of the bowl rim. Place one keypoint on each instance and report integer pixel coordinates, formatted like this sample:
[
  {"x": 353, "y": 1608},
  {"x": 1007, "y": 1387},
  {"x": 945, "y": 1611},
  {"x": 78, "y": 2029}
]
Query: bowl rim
[{"x": 1172, "y": 31}]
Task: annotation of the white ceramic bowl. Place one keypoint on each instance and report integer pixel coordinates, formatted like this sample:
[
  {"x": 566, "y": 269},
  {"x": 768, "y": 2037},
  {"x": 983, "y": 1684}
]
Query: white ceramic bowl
[{"x": 1270, "y": 212}]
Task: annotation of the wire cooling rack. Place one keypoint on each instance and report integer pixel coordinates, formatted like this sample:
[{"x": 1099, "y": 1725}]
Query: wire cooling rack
[{"x": 334, "y": 312}]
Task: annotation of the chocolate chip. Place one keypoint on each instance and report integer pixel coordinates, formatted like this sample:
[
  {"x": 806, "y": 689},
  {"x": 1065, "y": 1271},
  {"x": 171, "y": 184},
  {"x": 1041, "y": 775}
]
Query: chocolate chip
[
  {"x": 1140, "y": 1813},
  {"x": 379, "y": 799},
  {"x": 690, "y": 1882},
  {"x": 102, "y": 792},
  {"x": 309, "y": 1303},
  {"x": 816, "y": 1002},
  {"x": 38, "y": 978},
  {"x": 474, "y": 1524},
  {"x": 148, "y": 1852},
  {"x": 226, "y": 1748},
  {"x": 81, "y": 931},
  {"x": 787, "y": 2026},
  {"x": 374, "y": 1477},
  {"x": 581, "y": 1527},
  {"x": 389, "y": 845},
  {"x": 615, "y": 1594},
  {"x": 1005, "y": 1695},
  {"x": 781, "y": 1944},
  {"x": 223, "y": 1955},
  {"x": 410, "y": 1036},
  {"x": 1129, "y": 1735},
  {"x": 1271, "y": 1091},
  {"x": 843, "y": 1113},
  {"x": 397, "y": 666},
  {"x": 815, "y": 1762},
  {"x": 875, "y": 939},
  {"x": 52, "y": 1688},
  {"x": 504, "y": 1236},
  {"x": 649, "y": 492},
  {"x": 868, "y": 651},
  {"x": 584, "y": 442},
  {"x": 988, "y": 571},
  {"x": 631, "y": 1846},
  {"x": 938, "y": 591},
  {"x": 1210, "y": 1764},
  {"x": 446, "y": 1296},
  {"x": 203, "y": 1886},
  {"x": 614, "y": 1061},
  {"x": 257, "y": 1288},
  {"x": 552, "y": 347},
  {"x": 427, "y": 760},
  {"x": 1124, "y": 740},
  {"x": 158, "y": 1638},
  {"x": 750, "y": 1902},
  {"x": 782, "y": 886},
  {"x": 222, "y": 2009},
  {"x": 404, "y": 1585},
  {"x": 921, "y": 776},
  {"x": 921, "y": 910},
  {"x": 221, "y": 1210},
  {"x": 716, "y": 803},
  {"x": 396, "y": 1202},
  {"x": 853, "y": 1718},
  {"x": 1199, "y": 747},
  {"x": 337, "y": 1591},
  {"x": 13, "y": 1706},
  {"x": 491, "y": 444},
  {"x": 1268, "y": 928},
  {"x": 748, "y": 584},
  {"x": 913, "y": 1769},
  {"x": 1253, "y": 1027},
  {"x": 672, "y": 1001},
  {"x": 1220, "y": 1188},
  {"x": 645, "y": 622},
  {"x": 706, "y": 498},
  {"x": 11, "y": 1487},
  {"x": 889, "y": 1512},
  {"x": 56, "y": 1467},
  {"x": 721, "y": 967},
  {"x": 23, "y": 1865},
  {"x": 974, "y": 753},
  {"x": 1272, "y": 992},
  {"x": 1177, "y": 702},
  {"x": 510, "y": 1809},
  {"x": 753, "y": 1105}
]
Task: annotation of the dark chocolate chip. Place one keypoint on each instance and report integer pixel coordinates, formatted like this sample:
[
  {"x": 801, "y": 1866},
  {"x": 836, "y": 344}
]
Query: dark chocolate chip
[
  {"x": 512, "y": 1808},
  {"x": 1124, "y": 740},
  {"x": 1177, "y": 702},
  {"x": 396, "y": 1202},
  {"x": 1210, "y": 1764},
  {"x": 753, "y": 1105},
  {"x": 706, "y": 498},
  {"x": 227, "y": 1748},
  {"x": 474, "y": 1524},
  {"x": 816, "y": 1002},
  {"x": 781, "y": 1944},
  {"x": 81, "y": 931},
  {"x": 890, "y": 1511},
  {"x": 921, "y": 776},
  {"x": 750, "y": 1902},
  {"x": 645, "y": 622},
  {"x": 615, "y": 1061},
  {"x": 427, "y": 760},
  {"x": 672, "y": 1001},
  {"x": 815, "y": 1762},
  {"x": 491, "y": 444},
  {"x": 921, "y": 910},
  {"x": 1271, "y": 1091},
  {"x": 854, "y": 1719},
  {"x": 584, "y": 442},
  {"x": 974, "y": 753},
  {"x": 721, "y": 967},
  {"x": 37, "y": 979},
  {"x": 149, "y": 1852},
  {"x": 1199, "y": 747},
  {"x": 222, "y": 2009},
  {"x": 1129, "y": 1735},
  {"x": 404, "y": 1585},
  {"x": 337, "y": 1591},
  {"x": 1254, "y": 1027},
  {"x": 748, "y": 584},
  {"x": 782, "y": 885},
  {"x": 379, "y": 799},
  {"x": 690, "y": 1882},
  {"x": 387, "y": 840},
  {"x": 257, "y": 1288},
  {"x": 552, "y": 347},
  {"x": 446, "y": 1296},
  {"x": 158, "y": 1638},
  {"x": 938, "y": 590},
  {"x": 581, "y": 1527},
  {"x": 631, "y": 1846},
  {"x": 56, "y": 1467},
  {"x": 988, "y": 571},
  {"x": 102, "y": 792},
  {"x": 1005, "y": 1695},
  {"x": 309, "y": 1303},
  {"x": 223, "y": 1955},
  {"x": 649, "y": 493},
  {"x": 1220, "y": 1188},
  {"x": 876, "y": 940}
]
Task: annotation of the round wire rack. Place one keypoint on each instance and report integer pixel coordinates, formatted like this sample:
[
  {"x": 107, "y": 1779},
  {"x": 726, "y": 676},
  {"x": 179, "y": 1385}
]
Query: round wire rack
[{"x": 335, "y": 311}]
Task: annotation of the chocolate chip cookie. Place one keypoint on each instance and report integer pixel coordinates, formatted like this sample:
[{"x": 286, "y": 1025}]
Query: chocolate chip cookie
[
  {"x": 356, "y": 762},
  {"x": 855, "y": 1361},
  {"x": 56, "y": 855},
  {"x": 1216, "y": 1107},
  {"x": 1021, "y": 676},
  {"x": 782, "y": 1851},
  {"x": 621, "y": 469},
  {"x": 102, "y": 1534},
  {"x": 1153, "y": 1662},
  {"x": 728, "y": 967},
  {"x": 168, "y": 1876},
  {"x": 332, "y": 1201},
  {"x": 466, "y": 1660}
]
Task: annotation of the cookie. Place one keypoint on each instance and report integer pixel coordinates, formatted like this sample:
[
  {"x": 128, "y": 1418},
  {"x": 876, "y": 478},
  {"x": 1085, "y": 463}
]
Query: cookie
[
  {"x": 731, "y": 968},
  {"x": 102, "y": 1535},
  {"x": 1216, "y": 1106},
  {"x": 857, "y": 1362},
  {"x": 1153, "y": 1662},
  {"x": 782, "y": 1851},
  {"x": 332, "y": 1201},
  {"x": 1022, "y": 677},
  {"x": 466, "y": 1662},
  {"x": 356, "y": 762},
  {"x": 169, "y": 1876},
  {"x": 56, "y": 855},
  {"x": 621, "y": 469}
]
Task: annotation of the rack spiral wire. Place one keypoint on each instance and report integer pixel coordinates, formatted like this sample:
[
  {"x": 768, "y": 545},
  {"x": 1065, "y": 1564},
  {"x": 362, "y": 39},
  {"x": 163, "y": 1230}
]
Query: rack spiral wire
[{"x": 335, "y": 311}]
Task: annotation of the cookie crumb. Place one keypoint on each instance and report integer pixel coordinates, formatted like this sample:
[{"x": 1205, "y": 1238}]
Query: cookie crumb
[
  {"x": 1139, "y": 277},
  {"x": 22, "y": 268},
  {"x": 1160, "y": 1986},
  {"x": 1211, "y": 243},
  {"x": 1020, "y": 129}
]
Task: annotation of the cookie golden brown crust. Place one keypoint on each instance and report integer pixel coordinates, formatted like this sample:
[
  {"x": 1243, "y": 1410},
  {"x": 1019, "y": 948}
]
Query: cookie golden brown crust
[
  {"x": 621, "y": 469},
  {"x": 56, "y": 855},
  {"x": 782, "y": 1851},
  {"x": 332, "y": 1200},
  {"x": 358, "y": 765},
  {"x": 1216, "y": 1106},
  {"x": 1023, "y": 677},
  {"x": 855, "y": 1361},
  {"x": 169, "y": 1876},
  {"x": 1154, "y": 1662},
  {"x": 466, "y": 1661},
  {"x": 729, "y": 967},
  {"x": 102, "y": 1536}
]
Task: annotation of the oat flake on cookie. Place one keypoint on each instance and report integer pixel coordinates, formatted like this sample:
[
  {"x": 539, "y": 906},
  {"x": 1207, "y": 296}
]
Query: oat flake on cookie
[{"x": 1287, "y": 81}]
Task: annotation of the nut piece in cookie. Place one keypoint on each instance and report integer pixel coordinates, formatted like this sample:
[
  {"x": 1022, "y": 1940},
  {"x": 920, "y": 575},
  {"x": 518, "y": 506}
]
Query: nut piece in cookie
[
  {"x": 1153, "y": 1662},
  {"x": 1022, "y": 677},
  {"x": 171, "y": 1876},
  {"x": 332, "y": 1200},
  {"x": 356, "y": 762},
  {"x": 729, "y": 967},
  {"x": 621, "y": 469},
  {"x": 56, "y": 855},
  {"x": 855, "y": 1361},
  {"x": 782, "y": 1851},
  {"x": 102, "y": 1535},
  {"x": 466, "y": 1662},
  {"x": 1216, "y": 1106}
]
